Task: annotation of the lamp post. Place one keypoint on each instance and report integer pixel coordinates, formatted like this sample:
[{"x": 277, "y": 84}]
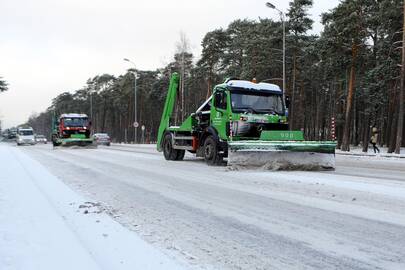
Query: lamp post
[
  {"x": 91, "y": 107},
  {"x": 135, "y": 102},
  {"x": 282, "y": 16}
]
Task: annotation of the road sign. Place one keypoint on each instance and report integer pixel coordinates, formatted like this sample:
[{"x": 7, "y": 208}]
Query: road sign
[{"x": 136, "y": 124}]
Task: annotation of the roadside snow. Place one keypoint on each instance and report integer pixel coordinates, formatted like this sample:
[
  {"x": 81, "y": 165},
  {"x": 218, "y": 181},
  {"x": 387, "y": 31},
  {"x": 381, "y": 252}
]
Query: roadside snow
[
  {"x": 358, "y": 151},
  {"x": 45, "y": 225}
]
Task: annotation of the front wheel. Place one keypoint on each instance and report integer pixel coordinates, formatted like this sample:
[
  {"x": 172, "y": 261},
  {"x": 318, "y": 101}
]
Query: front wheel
[{"x": 211, "y": 152}]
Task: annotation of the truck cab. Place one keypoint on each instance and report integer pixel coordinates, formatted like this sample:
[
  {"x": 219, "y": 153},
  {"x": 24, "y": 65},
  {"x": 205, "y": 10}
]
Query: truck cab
[
  {"x": 25, "y": 136},
  {"x": 242, "y": 109},
  {"x": 73, "y": 124}
]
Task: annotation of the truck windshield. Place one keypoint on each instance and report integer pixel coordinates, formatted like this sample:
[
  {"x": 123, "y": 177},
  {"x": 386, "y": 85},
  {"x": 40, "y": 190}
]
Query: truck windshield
[
  {"x": 75, "y": 122},
  {"x": 257, "y": 103},
  {"x": 26, "y": 132}
]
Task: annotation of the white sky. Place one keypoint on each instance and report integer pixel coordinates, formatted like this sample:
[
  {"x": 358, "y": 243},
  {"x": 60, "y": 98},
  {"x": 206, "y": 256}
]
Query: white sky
[{"x": 51, "y": 46}]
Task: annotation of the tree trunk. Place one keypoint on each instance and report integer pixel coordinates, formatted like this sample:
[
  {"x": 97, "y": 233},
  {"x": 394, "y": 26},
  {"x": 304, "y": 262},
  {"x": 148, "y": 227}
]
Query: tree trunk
[
  {"x": 366, "y": 132},
  {"x": 400, "y": 126},
  {"x": 392, "y": 138},
  {"x": 209, "y": 84},
  {"x": 349, "y": 101},
  {"x": 103, "y": 120}
]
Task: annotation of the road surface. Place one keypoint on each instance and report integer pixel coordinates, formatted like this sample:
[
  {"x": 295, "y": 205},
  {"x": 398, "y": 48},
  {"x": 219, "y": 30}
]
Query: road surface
[{"x": 216, "y": 218}]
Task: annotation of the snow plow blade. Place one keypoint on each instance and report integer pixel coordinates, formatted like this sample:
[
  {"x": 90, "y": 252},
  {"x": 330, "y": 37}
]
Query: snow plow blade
[
  {"x": 282, "y": 155},
  {"x": 79, "y": 143}
]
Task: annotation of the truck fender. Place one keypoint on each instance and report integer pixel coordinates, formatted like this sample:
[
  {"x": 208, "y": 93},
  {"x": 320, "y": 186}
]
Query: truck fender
[
  {"x": 210, "y": 131},
  {"x": 160, "y": 146},
  {"x": 223, "y": 145}
]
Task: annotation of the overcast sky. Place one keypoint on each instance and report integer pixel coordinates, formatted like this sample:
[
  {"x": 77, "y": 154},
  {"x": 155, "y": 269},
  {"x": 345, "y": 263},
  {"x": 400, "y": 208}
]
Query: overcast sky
[{"x": 51, "y": 46}]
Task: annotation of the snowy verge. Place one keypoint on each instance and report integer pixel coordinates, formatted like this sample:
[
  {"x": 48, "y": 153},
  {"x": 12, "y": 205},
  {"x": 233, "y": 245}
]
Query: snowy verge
[
  {"x": 45, "y": 225},
  {"x": 357, "y": 151}
]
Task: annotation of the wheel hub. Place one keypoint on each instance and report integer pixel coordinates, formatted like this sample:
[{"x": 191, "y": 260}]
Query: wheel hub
[{"x": 209, "y": 151}]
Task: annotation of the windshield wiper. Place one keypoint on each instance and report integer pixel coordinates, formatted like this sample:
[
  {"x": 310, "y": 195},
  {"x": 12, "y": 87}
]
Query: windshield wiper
[
  {"x": 271, "y": 111},
  {"x": 247, "y": 109}
]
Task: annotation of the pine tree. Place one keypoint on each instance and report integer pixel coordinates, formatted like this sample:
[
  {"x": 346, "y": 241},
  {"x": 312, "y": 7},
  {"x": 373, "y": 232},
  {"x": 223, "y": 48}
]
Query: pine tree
[
  {"x": 3, "y": 85},
  {"x": 299, "y": 23}
]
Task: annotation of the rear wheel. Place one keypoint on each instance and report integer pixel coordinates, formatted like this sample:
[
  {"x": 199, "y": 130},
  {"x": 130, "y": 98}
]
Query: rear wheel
[
  {"x": 168, "y": 151},
  {"x": 211, "y": 152}
]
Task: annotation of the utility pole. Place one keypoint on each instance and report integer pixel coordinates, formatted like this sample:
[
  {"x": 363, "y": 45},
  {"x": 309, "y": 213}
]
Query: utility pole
[
  {"x": 182, "y": 84},
  {"x": 91, "y": 105},
  {"x": 136, "y": 124},
  {"x": 282, "y": 16},
  {"x": 400, "y": 127},
  {"x": 136, "y": 113}
]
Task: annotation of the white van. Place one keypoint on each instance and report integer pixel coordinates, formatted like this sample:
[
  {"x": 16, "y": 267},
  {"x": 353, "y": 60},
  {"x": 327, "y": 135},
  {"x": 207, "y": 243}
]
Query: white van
[{"x": 25, "y": 136}]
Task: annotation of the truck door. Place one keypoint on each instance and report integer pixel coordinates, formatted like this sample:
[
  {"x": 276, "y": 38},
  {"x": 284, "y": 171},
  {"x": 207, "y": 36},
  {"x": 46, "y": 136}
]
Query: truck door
[{"x": 219, "y": 113}]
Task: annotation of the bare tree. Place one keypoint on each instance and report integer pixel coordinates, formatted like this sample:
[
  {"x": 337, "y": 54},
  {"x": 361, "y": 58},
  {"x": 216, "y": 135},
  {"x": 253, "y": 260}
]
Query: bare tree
[{"x": 182, "y": 47}]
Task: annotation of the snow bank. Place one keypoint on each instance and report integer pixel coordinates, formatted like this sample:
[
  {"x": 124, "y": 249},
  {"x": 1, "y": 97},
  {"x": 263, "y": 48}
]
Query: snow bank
[
  {"x": 45, "y": 225},
  {"x": 358, "y": 151}
]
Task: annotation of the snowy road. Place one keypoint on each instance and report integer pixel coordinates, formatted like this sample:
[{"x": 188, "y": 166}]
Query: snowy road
[{"x": 214, "y": 218}]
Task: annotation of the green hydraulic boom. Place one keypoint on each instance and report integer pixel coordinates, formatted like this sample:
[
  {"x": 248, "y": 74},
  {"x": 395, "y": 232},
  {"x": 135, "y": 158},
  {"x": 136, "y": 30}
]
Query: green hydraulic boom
[{"x": 168, "y": 108}]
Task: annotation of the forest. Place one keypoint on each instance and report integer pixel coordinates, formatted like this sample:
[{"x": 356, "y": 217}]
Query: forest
[{"x": 350, "y": 72}]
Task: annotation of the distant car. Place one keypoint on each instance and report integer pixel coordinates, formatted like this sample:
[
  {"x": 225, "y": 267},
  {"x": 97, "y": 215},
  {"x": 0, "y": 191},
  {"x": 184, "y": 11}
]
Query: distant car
[
  {"x": 102, "y": 138},
  {"x": 12, "y": 135},
  {"x": 25, "y": 136},
  {"x": 40, "y": 139}
]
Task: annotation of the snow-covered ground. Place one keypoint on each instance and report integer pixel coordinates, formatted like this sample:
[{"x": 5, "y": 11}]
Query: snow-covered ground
[
  {"x": 45, "y": 225},
  {"x": 358, "y": 151},
  {"x": 216, "y": 218}
]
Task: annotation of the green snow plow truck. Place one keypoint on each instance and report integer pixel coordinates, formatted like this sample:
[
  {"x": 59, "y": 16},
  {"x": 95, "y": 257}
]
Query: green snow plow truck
[{"x": 244, "y": 122}]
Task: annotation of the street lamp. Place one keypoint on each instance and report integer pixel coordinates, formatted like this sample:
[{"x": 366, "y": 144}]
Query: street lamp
[
  {"x": 282, "y": 16},
  {"x": 135, "y": 102}
]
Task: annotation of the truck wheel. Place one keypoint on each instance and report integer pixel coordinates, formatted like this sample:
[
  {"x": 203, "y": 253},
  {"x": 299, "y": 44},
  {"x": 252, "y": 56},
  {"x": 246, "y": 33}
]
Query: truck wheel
[
  {"x": 55, "y": 144},
  {"x": 180, "y": 154},
  {"x": 211, "y": 152},
  {"x": 168, "y": 151}
]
